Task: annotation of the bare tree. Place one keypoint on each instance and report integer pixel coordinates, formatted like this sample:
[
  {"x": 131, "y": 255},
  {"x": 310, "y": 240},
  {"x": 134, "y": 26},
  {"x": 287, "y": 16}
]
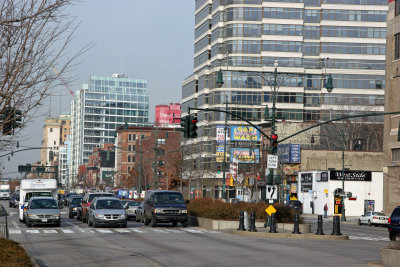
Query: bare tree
[{"x": 34, "y": 36}]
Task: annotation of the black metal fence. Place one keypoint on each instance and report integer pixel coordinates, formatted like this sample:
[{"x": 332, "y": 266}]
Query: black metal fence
[{"x": 3, "y": 222}]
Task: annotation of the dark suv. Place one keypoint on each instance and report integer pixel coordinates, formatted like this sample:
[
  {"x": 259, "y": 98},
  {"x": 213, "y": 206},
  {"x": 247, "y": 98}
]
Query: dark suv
[
  {"x": 296, "y": 205},
  {"x": 394, "y": 224},
  {"x": 164, "y": 206}
]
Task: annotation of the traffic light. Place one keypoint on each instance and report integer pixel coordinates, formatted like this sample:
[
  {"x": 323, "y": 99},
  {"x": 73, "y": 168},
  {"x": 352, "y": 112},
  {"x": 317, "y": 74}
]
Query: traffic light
[
  {"x": 219, "y": 169},
  {"x": 185, "y": 126},
  {"x": 8, "y": 121},
  {"x": 192, "y": 127},
  {"x": 17, "y": 118},
  {"x": 274, "y": 144}
]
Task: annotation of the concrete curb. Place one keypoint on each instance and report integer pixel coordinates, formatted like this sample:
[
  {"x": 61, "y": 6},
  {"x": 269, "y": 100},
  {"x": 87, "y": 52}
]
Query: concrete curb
[{"x": 290, "y": 235}]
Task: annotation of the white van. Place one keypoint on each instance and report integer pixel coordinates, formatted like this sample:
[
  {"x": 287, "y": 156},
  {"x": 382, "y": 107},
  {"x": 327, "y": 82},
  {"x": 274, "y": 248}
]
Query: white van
[{"x": 35, "y": 188}]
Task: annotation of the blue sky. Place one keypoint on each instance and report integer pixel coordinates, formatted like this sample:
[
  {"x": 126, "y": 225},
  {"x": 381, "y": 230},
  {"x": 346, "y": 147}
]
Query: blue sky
[{"x": 146, "y": 39}]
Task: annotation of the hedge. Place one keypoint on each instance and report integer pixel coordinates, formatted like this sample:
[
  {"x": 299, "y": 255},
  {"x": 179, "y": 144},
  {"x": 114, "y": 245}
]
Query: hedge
[{"x": 218, "y": 210}]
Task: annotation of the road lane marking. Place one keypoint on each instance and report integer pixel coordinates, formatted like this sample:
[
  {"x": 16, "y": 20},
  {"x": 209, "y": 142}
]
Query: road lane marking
[
  {"x": 193, "y": 231},
  {"x": 104, "y": 231},
  {"x": 369, "y": 238},
  {"x": 50, "y": 231},
  {"x": 67, "y": 231},
  {"x": 122, "y": 230},
  {"x": 16, "y": 225},
  {"x": 175, "y": 231},
  {"x": 32, "y": 231},
  {"x": 85, "y": 230},
  {"x": 12, "y": 231},
  {"x": 160, "y": 231},
  {"x": 137, "y": 231}
]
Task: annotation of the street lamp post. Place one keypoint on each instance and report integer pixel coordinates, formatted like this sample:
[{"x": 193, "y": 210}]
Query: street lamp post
[
  {"x": 220, "y": 83},
  {"x": 343, "y": 218}
]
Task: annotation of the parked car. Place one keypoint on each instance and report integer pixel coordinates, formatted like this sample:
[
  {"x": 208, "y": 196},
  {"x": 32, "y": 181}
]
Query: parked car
[
  {"x": 42, "y": 210},
  {"x": 107, "y": 211},
  {"x": 139, "y": 212},
  {"x": 14, "y": 200},
  {"x": 373, "y": 218},
  {"x": 164, "y": 206},
  {"x": 394, "y": 224},
  {"x": 68, "y": 197},
  {"x": 87, "y": 200},
  {"x": 131, "y": 207},
  {"x": 296, "y": 205},
  {"x": 75, "y": 202}
]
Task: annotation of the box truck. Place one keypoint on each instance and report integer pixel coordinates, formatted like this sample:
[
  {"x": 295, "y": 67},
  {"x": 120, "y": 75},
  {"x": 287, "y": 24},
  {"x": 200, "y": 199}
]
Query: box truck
[
  {"x": 35, "y": 188},
  {"x": 4, "y": 191}
]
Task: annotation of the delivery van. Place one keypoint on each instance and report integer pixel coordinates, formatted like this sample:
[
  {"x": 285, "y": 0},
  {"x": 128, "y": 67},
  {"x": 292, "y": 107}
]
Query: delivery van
[{"x": 35, "y": 188}]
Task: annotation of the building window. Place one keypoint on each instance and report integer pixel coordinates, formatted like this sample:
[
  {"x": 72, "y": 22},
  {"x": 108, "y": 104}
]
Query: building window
[
  {"x": 161, "y": 163},
  {"x": 160, "y": 141},
  {"x": 129, "y": 158},
  {"x": 397, "y": 8},
  {"x": 396, "y": 154},
  {"x": 51, "y": 130},
  {"x": 130, "y": 137},
  {"x": 397, "y": 45}
]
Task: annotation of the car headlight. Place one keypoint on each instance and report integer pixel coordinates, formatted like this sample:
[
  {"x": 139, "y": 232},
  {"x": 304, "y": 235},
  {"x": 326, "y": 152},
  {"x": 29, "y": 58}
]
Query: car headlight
[
  {"x": 74, "y": 208},
  {"x": 184, "y": 211},
  {"x": 33, "y": 216},
  {"x": 99, "y": 215},
  {"x": 122, "y": 216},
  {"x": 57, "y": 215},
  {"x": 157, "y": 210}
]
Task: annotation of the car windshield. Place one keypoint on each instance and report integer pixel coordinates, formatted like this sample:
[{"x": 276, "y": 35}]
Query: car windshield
[
  {"x": 37, "y": 194},
  {"x": 43, "y": 204},
  {"x": 133, "y": 204},
  {"x": 92, "y": 196},
  {"x": 168, "y": 198},
  {"x": 4, "y": 190},
  {"x": 378, "y": 213},
  {"x": 109, "y": 204},
  {"x": 76, "y": 200}
]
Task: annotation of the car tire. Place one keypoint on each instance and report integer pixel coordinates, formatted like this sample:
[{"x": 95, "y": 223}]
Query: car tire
[
  {"x": 174, "y": 224},
  {"x": 369, "y": 223},
  {"x": 359, "y": 222},
  {"x": 153, "y": 221},
  {"x": 70, "y": 216},
  {"x": 124, "y": 225},
  {"x": 89, "y": 222},
  {"x": 95, "y": 224},
  {"x": 185, "y": 223},
  {"x": 78, "y": 217},
  {"x": 392, "y": 237},
  {"x": 28, "y": 224},
  {"x": 136, "y": 218}
]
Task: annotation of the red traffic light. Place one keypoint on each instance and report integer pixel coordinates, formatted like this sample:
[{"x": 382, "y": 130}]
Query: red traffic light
[
  {"x": 194, "y": 120},
  {"x": 274, "y": 137}
]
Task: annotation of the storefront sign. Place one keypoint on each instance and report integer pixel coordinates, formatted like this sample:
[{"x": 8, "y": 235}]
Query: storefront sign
[
  {"x": 244, "y": 155},
  {"x": 220, "y": 154},
  {"x": 244, "y": 133},
  {"x": 364, "y": 176},
  {"x": 220, "y": 134},
  {"x": 295, "y": 153},
  {"x": 306, "y": 182}
]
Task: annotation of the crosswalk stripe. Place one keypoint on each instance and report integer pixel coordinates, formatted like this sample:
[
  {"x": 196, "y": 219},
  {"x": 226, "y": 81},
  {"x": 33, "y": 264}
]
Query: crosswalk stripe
[
  {"x": 193, "y": 231},
  {"x": 14, "y": 231},
  {"x": 32, "y": 231},
  {"x": 137, "y": 231},
  {"x": 369, "y": 238},
  {"x": 50, "y": 231},
  {"x": 85, "y": 230},
  {"x": 160, "y": 231},
  {"x": 104, "y": 231},
  {"x": 122, "y": 230},
  {"x": 67, "y": 231}
]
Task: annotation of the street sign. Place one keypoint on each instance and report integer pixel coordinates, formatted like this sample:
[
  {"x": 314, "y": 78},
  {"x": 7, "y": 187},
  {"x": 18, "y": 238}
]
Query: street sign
[
  {"x": 272, "y": 162},
  {"x": 270, "y": 210},
  {"x": 272, "y": 192}
]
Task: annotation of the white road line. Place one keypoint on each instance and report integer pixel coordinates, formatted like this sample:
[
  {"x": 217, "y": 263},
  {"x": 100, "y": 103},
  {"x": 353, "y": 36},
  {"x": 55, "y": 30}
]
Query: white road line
[
  {"x": 71, "y": 224},
  {"x": 369, "y": 238},
  {"x": 160, "y": 231},
  {"x": 32, "y": 231},
  {"x": 50, "y": 231},
  {"x": 12, "y": 231},
  {"x": 16, "y": 225},
  {"x": 138, "y": 231},
  {"x": 67, "y": 231},
  {"x": 12, "y": 213},
  {"x": 175, "y": 231},
  {"x": 85, "y": 230},
  {"x": 104, "y": 231},
  {"x": 193, "y": 231},
  {"x": 122, "y": 230}
]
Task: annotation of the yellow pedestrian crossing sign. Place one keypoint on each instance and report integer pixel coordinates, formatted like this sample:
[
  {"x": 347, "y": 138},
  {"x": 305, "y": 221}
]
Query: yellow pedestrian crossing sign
[{"x": 270, "y": 210}]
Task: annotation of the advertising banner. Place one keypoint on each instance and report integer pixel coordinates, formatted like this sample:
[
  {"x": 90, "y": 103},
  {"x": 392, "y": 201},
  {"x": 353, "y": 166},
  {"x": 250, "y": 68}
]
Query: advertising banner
[
  {"x": 220, "y": 134},
  {"x": 306, "y": 182},
  {"x": 234, "y": 169},
  {"x": 220, "y": 154},
  {"x": 244, "y": 133},
  {"x": 295, "y": 153},
  {"x": 244, "y": 155}
]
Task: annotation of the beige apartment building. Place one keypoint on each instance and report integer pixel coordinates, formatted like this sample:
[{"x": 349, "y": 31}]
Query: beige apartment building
[{"x": 391, "y": 148}]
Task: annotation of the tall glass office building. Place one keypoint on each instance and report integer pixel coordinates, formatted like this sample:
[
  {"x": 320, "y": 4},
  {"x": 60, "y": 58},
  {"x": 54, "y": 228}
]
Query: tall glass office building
[
  {"x": 307, "y": 39},
  {"x": 99, "y": 108}
]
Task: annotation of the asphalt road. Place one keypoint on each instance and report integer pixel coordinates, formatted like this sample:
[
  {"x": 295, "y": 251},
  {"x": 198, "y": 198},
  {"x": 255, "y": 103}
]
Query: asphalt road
[{"x": 76, "y": 244}]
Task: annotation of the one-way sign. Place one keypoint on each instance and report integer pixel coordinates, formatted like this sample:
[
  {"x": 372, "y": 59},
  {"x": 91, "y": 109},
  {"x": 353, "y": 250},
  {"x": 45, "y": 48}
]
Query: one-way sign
[{"x": 272, "y": 192}]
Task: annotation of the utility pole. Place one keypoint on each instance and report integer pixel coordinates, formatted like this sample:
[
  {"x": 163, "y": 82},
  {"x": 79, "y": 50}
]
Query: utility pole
[
  {"x": 155, "y": 160},
  {"x": 224, "y": 195},
  {"x": 343, "y": 197},
  {"x": 140, "y": 166}
]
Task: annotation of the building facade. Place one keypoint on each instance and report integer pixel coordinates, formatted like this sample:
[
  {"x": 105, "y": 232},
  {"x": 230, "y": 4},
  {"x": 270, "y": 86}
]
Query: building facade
[
  {"x": 391, "y": 143},
  {"x": 168, "y": 114},
  {"x": 289, "y": 46},
  {"x": 99, "y": 108}
]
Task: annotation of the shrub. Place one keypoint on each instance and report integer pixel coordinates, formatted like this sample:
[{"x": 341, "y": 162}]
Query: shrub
[
  {"x": 12, "y": 254},
  {"x": 219, "y": 210}
]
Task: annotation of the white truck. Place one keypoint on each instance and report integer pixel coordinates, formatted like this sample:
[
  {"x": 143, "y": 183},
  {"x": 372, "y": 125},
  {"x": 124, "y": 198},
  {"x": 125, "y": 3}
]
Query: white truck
[
  {"x": 35, "y": 188},
  {"x": 4, "y": 191}
]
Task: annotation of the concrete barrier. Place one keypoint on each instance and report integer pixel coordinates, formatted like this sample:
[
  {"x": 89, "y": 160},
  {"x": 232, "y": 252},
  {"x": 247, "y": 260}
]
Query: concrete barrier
[
  {"x": 390, "y": 257},
  {"x": 222, "y": 225}
]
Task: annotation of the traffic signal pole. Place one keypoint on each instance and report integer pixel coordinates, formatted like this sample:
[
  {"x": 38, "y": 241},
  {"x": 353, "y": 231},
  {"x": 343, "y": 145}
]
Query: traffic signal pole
[{"x": 224, "y": 195}]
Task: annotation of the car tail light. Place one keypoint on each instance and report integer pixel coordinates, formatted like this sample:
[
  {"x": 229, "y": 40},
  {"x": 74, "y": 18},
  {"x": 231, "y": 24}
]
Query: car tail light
[
  {"x": 389, "y": 220},
  {"x": 375, "y": 218}
]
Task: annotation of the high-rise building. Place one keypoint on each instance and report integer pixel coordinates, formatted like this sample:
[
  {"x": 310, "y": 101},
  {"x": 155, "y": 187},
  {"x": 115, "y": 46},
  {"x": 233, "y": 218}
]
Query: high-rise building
[
  {"x": 99, "y": 108},
  {"x": 305, "y": 41},
  {"x": 168, "y": 114},
  {"x": 391, "y": 145}
]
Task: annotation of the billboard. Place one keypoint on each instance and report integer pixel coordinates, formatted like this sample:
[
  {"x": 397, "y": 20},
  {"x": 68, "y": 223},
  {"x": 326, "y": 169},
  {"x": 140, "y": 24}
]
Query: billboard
[
  {"x": 289, "y": 153},
  {"x": 244, "y": 155},
  {"x": 220, "y": 134},
  {"x": 244, "y": 133}
]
